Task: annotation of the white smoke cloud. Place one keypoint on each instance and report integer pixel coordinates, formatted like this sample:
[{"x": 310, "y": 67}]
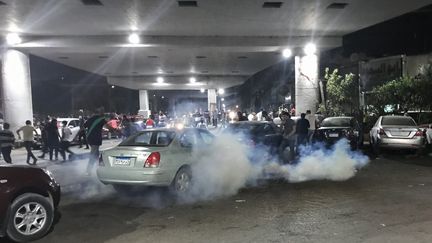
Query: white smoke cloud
[{"x": 226, "y": 168}]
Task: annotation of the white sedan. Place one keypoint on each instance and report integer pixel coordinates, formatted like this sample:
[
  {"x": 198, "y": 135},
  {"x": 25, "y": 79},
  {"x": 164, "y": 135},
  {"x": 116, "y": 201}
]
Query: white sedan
[{"x": 73, "y": 124}]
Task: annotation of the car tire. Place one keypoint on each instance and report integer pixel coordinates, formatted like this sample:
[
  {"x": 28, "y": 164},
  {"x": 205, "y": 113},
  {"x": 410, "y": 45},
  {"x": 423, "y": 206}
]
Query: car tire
[
  {"x": 182, "y": 182},
  {"x": 31, "y": 217}
]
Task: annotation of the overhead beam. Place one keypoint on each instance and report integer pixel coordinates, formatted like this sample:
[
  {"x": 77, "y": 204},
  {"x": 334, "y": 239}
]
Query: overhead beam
[{"x": 177, "y": 82}]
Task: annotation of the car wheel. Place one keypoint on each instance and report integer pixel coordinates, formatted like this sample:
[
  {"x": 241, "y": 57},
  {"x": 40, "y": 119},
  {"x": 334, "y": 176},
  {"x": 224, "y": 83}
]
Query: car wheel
[
  {"x": 182, "y": 182},
  {"x": 31, "y": 217}
]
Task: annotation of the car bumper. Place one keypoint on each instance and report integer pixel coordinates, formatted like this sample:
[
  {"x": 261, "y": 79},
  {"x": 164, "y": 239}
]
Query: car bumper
[
  {"x": 401, "y": 143},
  {"x": 109, "y": 175}
]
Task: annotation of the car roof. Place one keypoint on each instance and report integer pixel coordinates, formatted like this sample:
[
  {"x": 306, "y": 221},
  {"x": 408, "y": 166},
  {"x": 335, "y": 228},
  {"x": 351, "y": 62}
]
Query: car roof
[
  {"x": 251, "y": 122},
  {"x": 345, "y": 117},
  {"x": 398, "y": 116}
]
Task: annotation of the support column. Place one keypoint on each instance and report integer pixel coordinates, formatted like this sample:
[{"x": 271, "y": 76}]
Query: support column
[
  {"x": 212, "y": 101},
  {"x": 306, "y": 83},
  {"x": 16, "y": 88},
  {"x": 144, "y": 109}
]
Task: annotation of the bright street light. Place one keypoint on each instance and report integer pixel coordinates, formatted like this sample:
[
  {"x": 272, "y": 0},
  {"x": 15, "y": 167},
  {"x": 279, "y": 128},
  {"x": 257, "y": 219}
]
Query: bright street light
[
  {"x": 159, "y": 80},
  {"x": 286, "y": 53},
  {"x": 13, "y": 39},
  {"x": 134, "y": 38},
  {"x": 310, "y": 49},
  {"x": 202, "y": 90},
  {"x": 221, "y": 91}
]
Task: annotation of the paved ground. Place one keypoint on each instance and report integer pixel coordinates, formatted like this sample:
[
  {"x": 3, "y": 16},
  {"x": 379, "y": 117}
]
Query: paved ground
[{"x": 388, "y": 201}]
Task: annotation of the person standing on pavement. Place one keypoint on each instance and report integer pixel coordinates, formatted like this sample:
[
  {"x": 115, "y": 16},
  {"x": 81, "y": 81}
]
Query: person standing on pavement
[
  {"x": 53, "y": 139},
  {"x": 44, "y": 137},
  {"x": 288, "y": 132},
  {"x": 81, "y": 134},
  {"x": 312, "y": 122},
  {"x": 302, "y": 130},
  {"x": 65, "y": 143},
  {"x": 28, "y": 138},
  {"x": 7, "y": 140},
  {"x": 94, "y": 127}
]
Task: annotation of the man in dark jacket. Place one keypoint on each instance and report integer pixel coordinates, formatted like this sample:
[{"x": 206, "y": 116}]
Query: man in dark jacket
[
  {"x": 94, "y": 126},
  {"x": 302, "y": 130},
  {"x": 7, "y": 140}
]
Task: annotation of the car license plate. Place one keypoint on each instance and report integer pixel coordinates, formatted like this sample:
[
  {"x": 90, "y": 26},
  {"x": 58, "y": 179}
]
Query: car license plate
[
  {"x": 333, "y": 135},
  {"x": 122, "y": 161}
]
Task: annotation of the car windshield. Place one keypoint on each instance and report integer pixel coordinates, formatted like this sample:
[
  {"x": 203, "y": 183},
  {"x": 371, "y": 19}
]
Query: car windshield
[
  {"x": 150, "y": 139},
  {"x": 336, "y": 122},
  {"x": 398, "y": 121}
]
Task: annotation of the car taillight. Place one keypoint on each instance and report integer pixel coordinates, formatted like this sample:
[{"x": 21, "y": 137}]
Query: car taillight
[
  {"x": 101, "y": 162},
  {"x": 419, "y": 133},
  {"x": 381, "y": 132},
  {"x": 153, "y": 160}
]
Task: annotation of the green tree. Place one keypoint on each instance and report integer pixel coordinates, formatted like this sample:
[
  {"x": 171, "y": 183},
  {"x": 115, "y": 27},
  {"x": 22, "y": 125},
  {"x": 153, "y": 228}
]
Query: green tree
[{"x": 341, "y": 93}]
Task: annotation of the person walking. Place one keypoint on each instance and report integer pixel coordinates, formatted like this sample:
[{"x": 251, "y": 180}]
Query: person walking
[
  {"x": 28, "y": 138},
  {"x": 312, "y": 122},
  {"x": 65, "y": 143},
  {"x": 53, "y": 137},
  {"x": 288, "y": 140},
  {"x": 302, "y": 130},
  {"x": 7, "y": 140},
  {"x": 82, "y": 134},
  {"x": 94, "y": 127},
  {"x": 44, "y": 136}
]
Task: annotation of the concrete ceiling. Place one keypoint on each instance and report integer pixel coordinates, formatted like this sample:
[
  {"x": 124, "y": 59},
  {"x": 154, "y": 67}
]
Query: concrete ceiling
[{"x": 236, "y": 38}]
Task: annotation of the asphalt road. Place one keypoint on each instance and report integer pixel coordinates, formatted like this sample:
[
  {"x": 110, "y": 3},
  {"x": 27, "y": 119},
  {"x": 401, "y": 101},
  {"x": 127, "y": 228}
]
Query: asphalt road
[{"x": 387, "y": 201}]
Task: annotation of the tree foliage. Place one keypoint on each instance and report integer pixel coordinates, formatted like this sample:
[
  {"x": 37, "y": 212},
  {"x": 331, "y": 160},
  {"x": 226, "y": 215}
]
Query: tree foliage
[
  {"x": 405, "y": 93},
  {"x": 341, "y": 93}
]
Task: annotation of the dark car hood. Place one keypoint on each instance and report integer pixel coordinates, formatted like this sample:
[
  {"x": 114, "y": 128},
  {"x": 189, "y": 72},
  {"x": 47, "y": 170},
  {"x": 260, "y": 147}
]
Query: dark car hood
[{"x": 17, "y": 168}]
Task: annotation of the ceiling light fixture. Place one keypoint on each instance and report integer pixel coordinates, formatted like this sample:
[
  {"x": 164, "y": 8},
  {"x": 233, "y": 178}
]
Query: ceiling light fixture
[
  {"x": 287, "y": 53},
  {"x": 310, "y": 49},
  {"x": 202, "y": 90},
  {"x": 134, "y": 38},
  {"x": 160, "y": 80},
  {"x": 13, "y": 39},
  {"x": 192, "y": 80},
  {"x": 221, "y": 91}
]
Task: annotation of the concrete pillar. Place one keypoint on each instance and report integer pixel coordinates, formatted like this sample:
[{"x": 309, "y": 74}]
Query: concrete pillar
[
  {"x": 16, "y": 88},
  {"x": 306, "y": 83},
  {"x": 144, "y": 109},
  {"x": 212, "y": 99}
]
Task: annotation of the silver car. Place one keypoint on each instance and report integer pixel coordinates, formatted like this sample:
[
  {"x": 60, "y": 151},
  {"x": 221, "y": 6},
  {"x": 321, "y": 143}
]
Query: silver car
[
  {"x": 396, "y": 132},
  {"x": 157, "y": 157}
]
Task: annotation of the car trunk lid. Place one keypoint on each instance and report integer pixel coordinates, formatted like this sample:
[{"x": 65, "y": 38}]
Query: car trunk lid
[{"x": 400, "y": 132}]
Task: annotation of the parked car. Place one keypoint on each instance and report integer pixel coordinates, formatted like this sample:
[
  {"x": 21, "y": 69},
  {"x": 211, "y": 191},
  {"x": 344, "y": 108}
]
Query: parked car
[
  {"x": 157, "y": 157},
  {"x": 73, "y": 124},
  {"x": 396, "y": 132},
  {"x": 332, "y": 129},
  {"x": 29, "y": 197},
  {"x": 257, "y": 133}
]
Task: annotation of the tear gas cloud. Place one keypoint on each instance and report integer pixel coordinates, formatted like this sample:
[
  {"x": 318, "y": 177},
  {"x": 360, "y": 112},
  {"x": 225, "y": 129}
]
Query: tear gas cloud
[
  {"x": 227, "y": 168},
  {"x": 224, "y": 168}
]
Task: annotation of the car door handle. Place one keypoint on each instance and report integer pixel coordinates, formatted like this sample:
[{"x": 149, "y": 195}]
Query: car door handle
[{"x": 3, "y": 181}]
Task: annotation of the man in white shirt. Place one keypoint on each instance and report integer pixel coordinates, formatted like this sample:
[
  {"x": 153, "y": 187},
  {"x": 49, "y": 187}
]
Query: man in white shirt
[
  {"x": 28, "y": 138},
  {"x": 65, "y": 143},
  {"x": 312, "y": 122}
]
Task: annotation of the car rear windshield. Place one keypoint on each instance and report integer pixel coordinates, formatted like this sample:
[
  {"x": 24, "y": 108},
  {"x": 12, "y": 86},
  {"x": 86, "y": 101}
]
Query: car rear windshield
[
  {"x": 398, "y": 121},
  {"x": 336, "y": 122},
  {"x": 150, "y": 139},
  {"x": 244, "y": 128}
]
